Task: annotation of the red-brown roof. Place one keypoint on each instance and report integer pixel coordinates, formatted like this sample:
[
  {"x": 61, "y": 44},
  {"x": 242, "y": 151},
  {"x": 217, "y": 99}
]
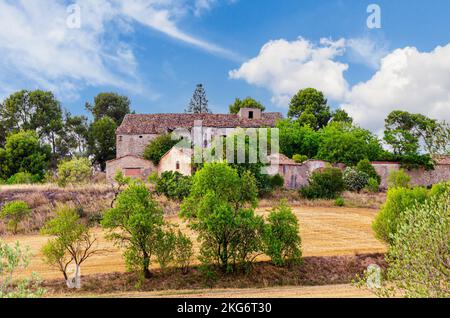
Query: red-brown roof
[{"x": 161, "y": 123}]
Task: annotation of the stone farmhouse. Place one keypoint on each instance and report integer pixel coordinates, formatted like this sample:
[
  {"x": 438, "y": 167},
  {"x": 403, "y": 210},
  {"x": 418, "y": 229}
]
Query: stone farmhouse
[{"x": 137, "y": 131}]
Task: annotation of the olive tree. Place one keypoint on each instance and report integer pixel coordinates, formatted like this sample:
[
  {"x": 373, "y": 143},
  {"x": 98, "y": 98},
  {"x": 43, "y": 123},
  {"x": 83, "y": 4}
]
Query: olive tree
[{"x": 15, "y": 212}]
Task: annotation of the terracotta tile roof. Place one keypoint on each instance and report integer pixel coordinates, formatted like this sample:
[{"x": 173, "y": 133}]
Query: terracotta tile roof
[{"x": 160, "y": 123}]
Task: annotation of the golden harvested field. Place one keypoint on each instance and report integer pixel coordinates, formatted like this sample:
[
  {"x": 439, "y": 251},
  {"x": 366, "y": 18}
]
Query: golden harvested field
[{"x": 325, "y": 231}]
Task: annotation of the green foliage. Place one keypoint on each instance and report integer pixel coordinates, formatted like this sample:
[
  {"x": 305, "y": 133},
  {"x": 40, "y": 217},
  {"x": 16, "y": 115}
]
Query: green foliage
[
  {"x": 341, "y": 115},
  {"x": 102, "y": 141},
  {"x": 309, "y": 107},
  {"x": 440, "y": 189},
  {"x": 23, "y": 178},
  {"x": 220, "y": 209},
  {"x": 326, "y": 184},
  {"x": 418, "y": 258},
  {"x": 373, "y": 186},
  {"x": 199, "y": 102},
  {"x": 183, "y": 252},
  {"x": 110, "y": 105},
  {"x": 165, "y": 249},
  {"x": 247, "y": 102},
  {"x": 14, "y": 259},
  {"x": 174, "y": 185},
  {"x": 354, "y": 179},
  {"x": 158, "y": 147},
  {"x": 297, "y": 139},
  {"x": 282, "y": 241},
  {"x": 398, "y": 200},
  {"x": 75, "y": 171},
  {"x": 299, "y": 158},
  {"x": 277, "y": 181},
  {"x": 72, "y": 241},
  {"x": 339, "y": 202},
  {"x": 343, "y": 143},
  {"x": 399, "y": 179},
  {"x": 24, "y": 152},
  {"x": 15, "y": 212},
  {"x": 366, "y": 167},
  {"x": 135, "y": 223}
]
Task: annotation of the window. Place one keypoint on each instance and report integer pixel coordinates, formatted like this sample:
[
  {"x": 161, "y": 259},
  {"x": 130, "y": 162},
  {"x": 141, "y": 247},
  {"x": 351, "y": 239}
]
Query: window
[
  {"x": 178, "y": 165},
  {"x": 120, "y": 138},
  {"x": 140, "y": 137},
  {"x": 250, "y": 115}
]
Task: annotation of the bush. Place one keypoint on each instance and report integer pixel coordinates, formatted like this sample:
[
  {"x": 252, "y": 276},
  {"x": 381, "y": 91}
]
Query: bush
[
  {"x": 399, "y": 179},
  {"x": 277, "y": 181},
  {"x": 140, "y": 220},
  {"x": 13, "y": 260},
  {"x": 75, "y": 171},
  {"x": 220, "y": 208},
  {"x": 158, "y": 147},
  {"x": 325, "y": 184},
  {"x": 366, "y": 167},
  {"x": 372, "y": 185},
  {"x": 23, "y": 178},
  {"x": 281, "y": 236},
  {"x": 398, "y": 200},
  {"x": 418, "y": 259},
  {"x": 183, "y": 252},
  {"x": 173, "y": 185},
  {"x": 164, "y": 250},
  {"x": 355, "y": 180},
  {"x": 339, "y": 202},
  {"x": 300, "y": 158},
  {"x": 15, "y": 212}
]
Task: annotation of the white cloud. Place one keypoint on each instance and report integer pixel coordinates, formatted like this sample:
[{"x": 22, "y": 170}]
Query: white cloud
[
  {"x": 367, "y": 51},
  {"x": 284, "y": 67},
  {"x": 406, "y": 79},
  {"x": 39, "y": 50},
  {"x": 410, "y": 80}
]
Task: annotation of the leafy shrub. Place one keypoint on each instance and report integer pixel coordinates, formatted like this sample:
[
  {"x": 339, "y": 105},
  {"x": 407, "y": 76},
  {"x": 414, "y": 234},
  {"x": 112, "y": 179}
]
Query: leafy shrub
[
  {"x": 174, "y": 185},
  {"x": 325, "y": 184},
  {"x": 164, "y": 250},
  {"x": 139, "y": 219},
  {"x": 300, "y": 158},
  {"x": 399, "y": 179},
  {"x": 183, "y": 252},
  {"x": 372, "y": 185},
  {"x": 418, "y": 258},
  {"x": 281, "y": 236},
  {"x": 15, "y": 212},
  {"x": 277, "y": 181},
  {"x": 339, "y": 202},
  {"x": 398, "y": 200},
  {"x": 75, "y": 171},
  {"x": 158, "y": 147},
  {"x": 440, "y": 189},
  {"x": 220, "y": 208},
  {"x": 12, "y": 260},
  {"x": 366, "y": 167},
  {"x": 23, "y": 178},
  {"x": 355, "y": 180}
]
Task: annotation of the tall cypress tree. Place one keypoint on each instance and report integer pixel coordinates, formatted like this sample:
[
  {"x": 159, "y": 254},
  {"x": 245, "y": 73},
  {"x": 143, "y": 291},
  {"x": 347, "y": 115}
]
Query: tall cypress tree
[{"x": 199, "y": 102}]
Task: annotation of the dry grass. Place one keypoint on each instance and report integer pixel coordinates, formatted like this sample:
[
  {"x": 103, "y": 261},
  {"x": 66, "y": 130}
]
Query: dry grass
[{"x": 325, "y": 231}]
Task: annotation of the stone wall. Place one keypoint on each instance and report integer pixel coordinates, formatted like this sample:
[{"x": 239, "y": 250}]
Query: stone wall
[
  {"x": 128, "y": 165},
  {"x": 132, "y": 144},
  {"x": 297, "y": 176},
  {"x": 177, "y": 159}
]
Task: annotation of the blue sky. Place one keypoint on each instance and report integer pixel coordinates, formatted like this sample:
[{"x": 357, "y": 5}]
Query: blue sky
[{"x": 156, "y": 51}]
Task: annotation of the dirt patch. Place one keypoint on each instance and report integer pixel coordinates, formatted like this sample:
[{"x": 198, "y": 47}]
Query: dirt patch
[{"x": 315, "y": 271}]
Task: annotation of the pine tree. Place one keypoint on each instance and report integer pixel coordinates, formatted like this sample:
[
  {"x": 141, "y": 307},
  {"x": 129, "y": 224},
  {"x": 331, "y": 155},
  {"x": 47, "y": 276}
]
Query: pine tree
[{"x": 199, "y": 102}]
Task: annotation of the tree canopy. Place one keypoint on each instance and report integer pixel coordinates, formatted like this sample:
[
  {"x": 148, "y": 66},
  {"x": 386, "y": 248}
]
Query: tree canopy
[
  {"x": 111, "y": 105},
  {"x": 247, "y": 102},
  {"x": 199, "y": 102},
  {"x": 309, "y": 107}
]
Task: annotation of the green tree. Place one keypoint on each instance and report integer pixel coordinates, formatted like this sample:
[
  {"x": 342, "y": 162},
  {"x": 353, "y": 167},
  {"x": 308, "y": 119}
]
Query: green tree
[
  {"x": 73, "y": 140},
  {"x": 158, "y": 147},
  {"x": 139, "y": 221},
  {"x": 344, "y": 143},
  {"x": 75, "y": 171},
  {"x": 310, "y": 107},
  {"x": 281, "y": 236},
  {"x": 72, "y": 242},
  {"x": 102, "y": 141},
  {"x": 404, "y": 131},
  {"x": 366, "y": 167},
  {"x": 297, "y": 139},
  {"x": 110, "y": 105},
  {"x": 199, "y": 102},
  {"x": 220, "y": 209},
  {"x": 24, "y": 153},
  {"x": 15, "y": 212},
  {"x": 340, "y": 115},
  {"x": 247, "y": 102},
  {"x": 324, "y": 184}
]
